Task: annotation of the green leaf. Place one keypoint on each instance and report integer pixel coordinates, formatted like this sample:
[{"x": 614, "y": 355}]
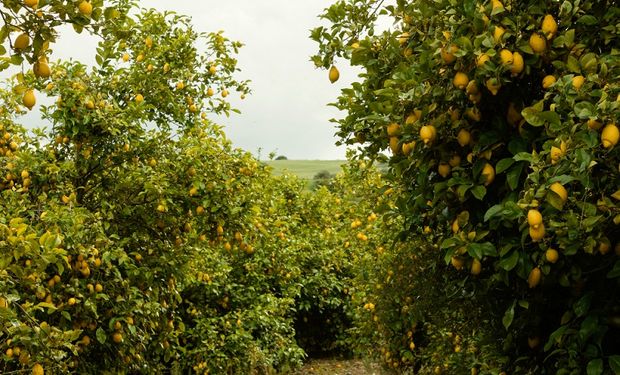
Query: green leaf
[
  {"x": 101, "y": 336},
  {"x": 509, "y": 262},
  {"x": 587, "y": 20},
  {"x": 513, "y": 176},
  {"x": 492, "y": 211},
  {"x": 615, "y": 272},
  {"x": 582, "y": 306},
  {"x": 595, "y": 367},
  {"x": 504, "y": 164},
  {"x": 584, "y": 110},
  {"x": 479, "y": 192},
  {"x": 509, "y": 315}
]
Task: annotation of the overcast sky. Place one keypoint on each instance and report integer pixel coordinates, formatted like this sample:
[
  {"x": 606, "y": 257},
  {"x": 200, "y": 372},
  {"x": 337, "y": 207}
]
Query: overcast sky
[{"x": 287, "y": 112}]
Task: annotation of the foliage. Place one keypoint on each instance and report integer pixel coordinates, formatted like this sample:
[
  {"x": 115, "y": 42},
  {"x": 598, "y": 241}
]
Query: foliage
[{"x": 492, "y": 110}]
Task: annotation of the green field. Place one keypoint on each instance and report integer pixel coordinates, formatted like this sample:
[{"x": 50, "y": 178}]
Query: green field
[{"x": 305, "y": 169}]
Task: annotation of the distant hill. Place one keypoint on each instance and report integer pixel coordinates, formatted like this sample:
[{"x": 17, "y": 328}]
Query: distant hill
[{"x": 305, "y": 169}]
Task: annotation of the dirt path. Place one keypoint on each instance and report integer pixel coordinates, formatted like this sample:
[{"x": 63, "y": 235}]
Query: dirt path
[{"x": 339, "y": 367}]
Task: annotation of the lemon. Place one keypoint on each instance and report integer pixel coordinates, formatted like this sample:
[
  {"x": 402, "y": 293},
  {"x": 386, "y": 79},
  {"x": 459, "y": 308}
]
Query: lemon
[
  {"x": 41, "y": 69},
  {"x": 403, "y": 38},
  {"x": 334, "y": 74},
  {"x": 498, "y": 33},
  {"x": 593, "y": 124},
  {"x": 534, "y": 218},
  {"x": 496, "y": 4},
  {"x": 37, "y": 369},
  {"x": 533, "y": 279},
  {"x": 548, "y": 81},
  {"x": 125, "y": 57},
  {"x": 549, "y": 27},
  {"x": 412, "y": 118},
  {"x": 461, "y": 80},
  {"x": 117, "y": 337},
  {"x": 455, "y": 161},
  {"x": 393, "y": 129},
  {"x": 493, "y": 85},
  {"x": 482, "y": 59},
  {"x": 31, "y": 3},
  {"x": 556, "y": 154},
  {"x": 21, "y": 42},
  {"x": 517, "y": 64},
  {"x": 428, "y": 133},
  {"x": 578, "y": 81},
  {"x": 463, "y": 137},
  {"x": 538, "y": 233},
  {"x": 148, "y": 42},
  {"x": 552, "y": 255},
  {"x": 29, "y": 100},
  {"x": 85, "y": 8},
  {"x": 506, "y": 57},
  {"x": 444, "y": 170},
  {"x": 408, "y": 147},
  {"x": 560, "y": 190},
  {"x": 457, "y": 263},
  {"x": 538, "y": 43},
  {"x": 476, "y": 267},
  {"x": 533, "y": 342},
  {"x": 489, "y": 174},
  {"x": 472, "y": 88},
  {"x": 609, "y": 136},
  {"x": 394, "y": 145},
  {"x": 447, "y": 53},
  {"x": 139, "y": 98}
]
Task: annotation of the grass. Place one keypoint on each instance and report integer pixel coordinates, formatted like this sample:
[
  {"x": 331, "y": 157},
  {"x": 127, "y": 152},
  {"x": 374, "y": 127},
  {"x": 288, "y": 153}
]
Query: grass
[{"x": 305, "y": 169}]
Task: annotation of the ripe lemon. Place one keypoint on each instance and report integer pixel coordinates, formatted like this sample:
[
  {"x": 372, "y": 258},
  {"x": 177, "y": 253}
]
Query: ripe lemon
[
  {"x": 538, "y": 43},
  {"x": 493, "y": 85},
  {"x": 455, "y": 161},
  {"x": 498, "y": 33},
  {"x": 393, "y": 129},
  {"x": 444, "y": 170},
  {"x": 548, "y": 81},
  {"x": 457, "y": 263},
  {"x": 476, "y": 267},
  {"x": 552, "y": 255},
  {"x": 31, "y": 3},
  {"x": 41, "y": 69},
  {"x": 428, "y": 133},
  {"x": 461, "y": 80},
  {"x": 506, "y": 57},
  {"x": 549, "y": 27},
  {"x": 560, "y": 190},
  {"x": 148, "y": 42},
  {"x": 472, "y": 88},
  {"x": 29, "y": 100},
  {"x": 517, "y": 64},
  {"x": 37, "y": 369},
  {"x": 578, "y": 81},
  {"x": 463, "y": 137},
  {"x": 482, "y": 59},
  {"x": 593, "y": 124},
  {"x": 555, "y": 154},
  {"x": 117, "y": 337},
  {"x": 448, "y": 53},
  {"x": 408, "y": 147},
  {"x": 496, "y": 4},
  {"x": 21, "y": 42},
  {"x": 489, "y": 174},
  {"x": 394, "y": 145},
  {"x": 98, "y": 288},
  {"x": 609, "y": 136},
  {"x": 125, "y": 57},
  {"x": 403, "y": 38},
  {"x": 85, "y": 8},
  {"x": 334, "y": 74},
  {"x": 139, "y": 98},
  {"x": 533, "y": 279},
  {"x": 538, "y": 233},
  {"x": 534, "y": 218}
]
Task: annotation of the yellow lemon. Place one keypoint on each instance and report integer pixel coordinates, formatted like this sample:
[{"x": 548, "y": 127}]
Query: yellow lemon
[
  {"x": 31, "y": 3},
  {"x": 85, "y": 8},
  {"x": 463, "y": 137},
  {"x": 29, "y": 100},
  {"x": 334, "y": 74},
  {"x": 444, "y": 170},
  {"x": 538, "y": 233},
  {"x": 489, "y": 174},
  {"x": 457, "y": 263},
  {"x": 560, "y": 190},
  {"x": 408, "y": 147},
  {"x": 428, "y": 133},
  {"x": 517, "y": 64},
  {"x": 455, "y": 161},
  {"x": 447, "y": 53},
  {"x": 538, "y": 43},
  {"x": 393, "y": 129},
  {"x": 498, "y": 33},
  {"x": 533, "y": 279},
  {"x": 461, "y": 80},
  {"x": 609, "y": 136},
  {"x": 493, "y": 85},
  {"x": 476, "y": 267},
  {"x": 37, "y": 369},
  {"x": 549, "y": 27},
  {"x": 21, "y": 42},
  {"x": 548, "y": 81},
  {"x": 506, "y": 57},
  {"x": 139, "y": 98},
  {"x": 482, "y": 59},
  {"x": 552, "y": 255},
  {"x": 394, "y": 145},
  {"x": 578, "y": 81},
  {"x": 534, "y": 218}
]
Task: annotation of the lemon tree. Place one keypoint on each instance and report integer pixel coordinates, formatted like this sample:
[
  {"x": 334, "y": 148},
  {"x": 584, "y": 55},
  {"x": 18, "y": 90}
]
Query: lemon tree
[{"x": 499, "y": 121}]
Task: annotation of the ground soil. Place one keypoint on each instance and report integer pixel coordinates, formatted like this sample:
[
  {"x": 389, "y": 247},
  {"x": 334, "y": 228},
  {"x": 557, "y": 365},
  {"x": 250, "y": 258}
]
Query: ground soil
[{"x": 339, "y": 367}]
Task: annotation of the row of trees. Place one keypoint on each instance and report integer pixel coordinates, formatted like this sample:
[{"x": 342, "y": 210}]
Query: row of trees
[{"x": 501, "y": 119}]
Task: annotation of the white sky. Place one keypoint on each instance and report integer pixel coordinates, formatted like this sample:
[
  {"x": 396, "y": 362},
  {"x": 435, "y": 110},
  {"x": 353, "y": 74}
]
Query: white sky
[{"x": 287, "y": 112}]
